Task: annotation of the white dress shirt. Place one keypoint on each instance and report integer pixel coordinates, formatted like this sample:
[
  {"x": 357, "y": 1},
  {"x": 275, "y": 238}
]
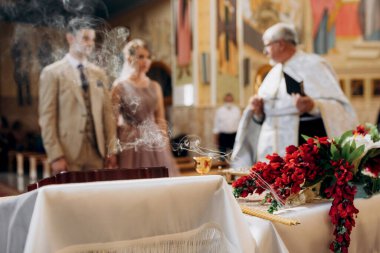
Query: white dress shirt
[
  {"x": 227, "y": 119},
  {"x": 75, "y": 63}
]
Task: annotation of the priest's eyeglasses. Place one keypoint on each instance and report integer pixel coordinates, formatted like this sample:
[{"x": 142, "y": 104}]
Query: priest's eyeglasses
[{"x": 269, "y": 44}]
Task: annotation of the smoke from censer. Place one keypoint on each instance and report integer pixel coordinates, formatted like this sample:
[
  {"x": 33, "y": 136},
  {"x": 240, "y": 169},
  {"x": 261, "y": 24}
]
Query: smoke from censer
[{"x": 192, "y": 143}]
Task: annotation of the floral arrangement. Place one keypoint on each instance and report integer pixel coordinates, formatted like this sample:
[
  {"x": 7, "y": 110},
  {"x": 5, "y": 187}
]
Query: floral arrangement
[{"x": 335, "y": 169}]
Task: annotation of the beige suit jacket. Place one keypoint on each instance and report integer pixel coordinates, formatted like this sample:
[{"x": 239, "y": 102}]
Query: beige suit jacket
[{"x": 62, "y": 110}]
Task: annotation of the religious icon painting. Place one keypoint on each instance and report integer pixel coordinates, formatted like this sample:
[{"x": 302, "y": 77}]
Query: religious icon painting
[
  {"x": 227, "y": 77},
  {"x": 183, "y": 37}
]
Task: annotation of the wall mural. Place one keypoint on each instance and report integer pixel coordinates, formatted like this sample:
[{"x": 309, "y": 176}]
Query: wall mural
[
  {"x": 258, "y": 15},
  {"x": 227, "y": 37},
  {"x": 227, "y": 49},
  {"x": 45, "y": 51},
  {"x": 21, "y": 56},
  {"x": 369, "y": 18},
  {"x": 183, "y": 34},
  {"x": 334, "y": 19}
]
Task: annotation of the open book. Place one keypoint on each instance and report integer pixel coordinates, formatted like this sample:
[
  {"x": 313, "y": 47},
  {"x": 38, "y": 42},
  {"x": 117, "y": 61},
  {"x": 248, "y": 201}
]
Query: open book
[{"x": 293, "y": 86}]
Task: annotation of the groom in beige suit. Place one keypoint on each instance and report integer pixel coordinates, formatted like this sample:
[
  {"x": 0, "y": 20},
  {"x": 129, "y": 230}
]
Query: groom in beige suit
[{"x": 74, "y": 106}]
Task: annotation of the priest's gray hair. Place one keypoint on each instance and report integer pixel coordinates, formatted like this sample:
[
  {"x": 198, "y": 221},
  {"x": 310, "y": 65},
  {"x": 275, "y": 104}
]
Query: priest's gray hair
[{"x": 281, "y": 31}]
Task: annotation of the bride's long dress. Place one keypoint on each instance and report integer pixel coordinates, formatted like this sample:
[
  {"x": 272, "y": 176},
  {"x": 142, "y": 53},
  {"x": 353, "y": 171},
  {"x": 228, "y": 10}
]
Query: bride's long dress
[{"x": 143, "y": 142}]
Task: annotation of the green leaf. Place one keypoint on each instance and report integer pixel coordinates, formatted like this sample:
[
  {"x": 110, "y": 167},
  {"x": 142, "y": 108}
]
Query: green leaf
[
  {"x": 344, "y": 136},
  {"x": 373, "y": 131},
  {"x": 346, "y": 150},
  {"x": 274, "y": 205},
  {"x": 305, "y": 137},
  {"x": 341, "y": 230},
  {"x": 356, "y": 154},
  {"x": 353, "y": 146},
  {"x": 334, "y": 152}
]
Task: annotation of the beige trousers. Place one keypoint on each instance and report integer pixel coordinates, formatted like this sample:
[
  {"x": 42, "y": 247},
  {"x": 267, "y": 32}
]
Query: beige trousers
[{"x": 89, "y": 158}]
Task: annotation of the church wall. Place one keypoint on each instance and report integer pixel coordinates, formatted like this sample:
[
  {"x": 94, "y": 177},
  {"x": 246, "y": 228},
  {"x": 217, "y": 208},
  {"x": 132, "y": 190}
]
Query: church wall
[
  {"x": 350, "y": 58},
  {"x": 153, "y": 24},
  {"x": 198, "y": 121},
  {"x": 22, "y": 59}
]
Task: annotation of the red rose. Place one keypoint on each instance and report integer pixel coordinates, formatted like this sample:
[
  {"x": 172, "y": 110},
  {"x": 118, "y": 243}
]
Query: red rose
[
  {"x": 323, "y": 141},
  {"x": 360, "y": 130},
  {"x": 244, "y": 193},
  {"x": 291, "y": 149},
  {"x": 339, "y": 238}
]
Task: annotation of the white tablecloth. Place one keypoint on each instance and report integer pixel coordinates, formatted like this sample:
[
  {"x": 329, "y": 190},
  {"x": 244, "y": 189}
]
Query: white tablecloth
[
  {"x": 58, "y": 216},
  {"x": 315, "y": 232}
]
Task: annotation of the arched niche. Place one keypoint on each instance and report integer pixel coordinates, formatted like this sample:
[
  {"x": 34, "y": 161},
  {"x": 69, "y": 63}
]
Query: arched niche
[
  {"x": 161, "y": 73},
  {"x": 260, "y": 75}
]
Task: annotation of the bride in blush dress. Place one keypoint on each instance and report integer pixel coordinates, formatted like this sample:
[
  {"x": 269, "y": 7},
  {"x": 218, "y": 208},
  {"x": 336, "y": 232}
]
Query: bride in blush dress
[{"x": 139, "y": 110}]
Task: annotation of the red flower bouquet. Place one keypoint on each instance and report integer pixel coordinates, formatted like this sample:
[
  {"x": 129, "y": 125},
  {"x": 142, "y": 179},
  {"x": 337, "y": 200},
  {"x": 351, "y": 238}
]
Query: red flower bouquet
[{"x": 333, "y": 168}]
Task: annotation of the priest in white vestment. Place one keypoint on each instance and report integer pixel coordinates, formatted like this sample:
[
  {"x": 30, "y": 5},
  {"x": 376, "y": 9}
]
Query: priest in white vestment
[{"x": 276, "y": 117}]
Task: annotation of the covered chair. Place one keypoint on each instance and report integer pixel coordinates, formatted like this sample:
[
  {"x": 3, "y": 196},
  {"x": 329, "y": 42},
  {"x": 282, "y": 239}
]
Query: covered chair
[{"x": 196, "y": 214}]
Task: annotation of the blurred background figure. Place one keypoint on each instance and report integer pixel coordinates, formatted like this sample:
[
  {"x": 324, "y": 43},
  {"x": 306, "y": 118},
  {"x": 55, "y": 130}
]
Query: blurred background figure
[
  {"x": 75, "y": 111},
  {"x": 226, "y": 123},
  {"x": 139, "y": 109}
]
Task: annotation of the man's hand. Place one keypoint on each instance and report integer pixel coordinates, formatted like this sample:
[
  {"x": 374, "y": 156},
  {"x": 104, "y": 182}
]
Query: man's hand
[
  {"x": 303, "y": 103},
  {"x": 59, "y": 165},
  {"x": 111, "y": 162},
  {"x": 257, "y": 106}
]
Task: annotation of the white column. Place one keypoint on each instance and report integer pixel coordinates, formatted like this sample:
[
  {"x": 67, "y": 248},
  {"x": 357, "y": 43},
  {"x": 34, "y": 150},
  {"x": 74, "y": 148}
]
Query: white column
[
  {"x": 20, "y": 183},
  {"x": 46, "y": 168},
  {"x": 32, "y": 168},
  {"x": 20, "y": 164}
]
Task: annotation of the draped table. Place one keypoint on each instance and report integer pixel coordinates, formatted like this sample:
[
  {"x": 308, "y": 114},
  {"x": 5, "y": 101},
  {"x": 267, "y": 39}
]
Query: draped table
[
  {"x": 54, "y": 217},
  {"x": 315, "y": 231},
  {"x": 57, "y": 217}
]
